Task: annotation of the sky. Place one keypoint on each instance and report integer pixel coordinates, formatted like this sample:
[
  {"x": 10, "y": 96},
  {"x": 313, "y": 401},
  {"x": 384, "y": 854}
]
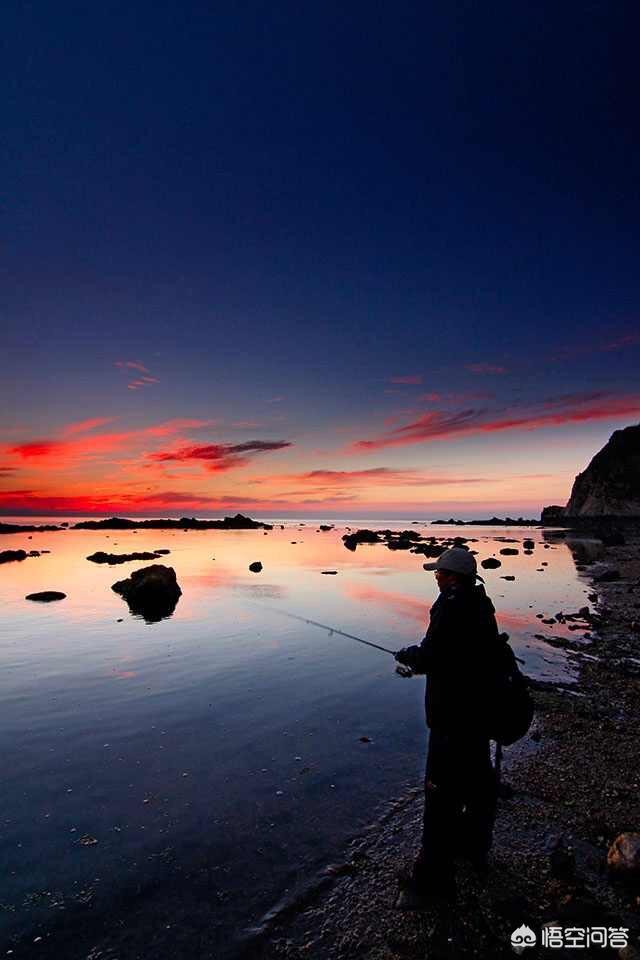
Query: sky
[{"x": 315, "y": 258}]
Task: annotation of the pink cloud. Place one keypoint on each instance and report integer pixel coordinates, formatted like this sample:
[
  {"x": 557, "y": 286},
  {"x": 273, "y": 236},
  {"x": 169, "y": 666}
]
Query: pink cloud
[
  {"x": 436, "y": 425},
  {"x": 219, "y": 457},
  {"x": 84, "y": 426},
  {"x": 484, "y": 368},
  {"x": 131, "y": 365}
]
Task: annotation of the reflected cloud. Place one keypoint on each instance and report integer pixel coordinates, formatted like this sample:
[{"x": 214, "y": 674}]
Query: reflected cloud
[{"x": 400, "y": 604}]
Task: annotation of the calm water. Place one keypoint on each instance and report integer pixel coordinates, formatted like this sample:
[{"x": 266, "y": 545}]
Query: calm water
[{"x": 215, "y": 756}]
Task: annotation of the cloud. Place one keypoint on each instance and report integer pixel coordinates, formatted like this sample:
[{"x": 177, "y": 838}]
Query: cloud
[
  {"x": 396, "y": 604},
  {"x": 376, "y": 476},
  {"x": 218, "y": 457},
  {"x": 131, "y": 365},
  {"x": 621, "y": 342},
  {"x": 629, "y": 340},
  {"x": 436, "y": 425},
  {"x": 410, "y": 379},
  {"x": 139, "y": 382},
  {"x": 483, "y": 368},
  {"x": 84, "y": 426},
  {"x": 7, "y": 471},
  {"x": 83, "y": 447}
]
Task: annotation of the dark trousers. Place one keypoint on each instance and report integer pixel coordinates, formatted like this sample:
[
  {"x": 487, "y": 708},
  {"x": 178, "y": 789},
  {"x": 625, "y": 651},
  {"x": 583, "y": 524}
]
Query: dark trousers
[{"x": 460, "y": 804}]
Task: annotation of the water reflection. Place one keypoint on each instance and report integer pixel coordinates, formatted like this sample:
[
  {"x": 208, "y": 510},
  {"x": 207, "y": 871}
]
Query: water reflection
[{"x": 229, "y": 692}]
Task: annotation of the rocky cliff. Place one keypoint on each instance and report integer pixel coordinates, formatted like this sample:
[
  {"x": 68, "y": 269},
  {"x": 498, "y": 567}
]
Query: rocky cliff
[{"x": 610, "y": 485}]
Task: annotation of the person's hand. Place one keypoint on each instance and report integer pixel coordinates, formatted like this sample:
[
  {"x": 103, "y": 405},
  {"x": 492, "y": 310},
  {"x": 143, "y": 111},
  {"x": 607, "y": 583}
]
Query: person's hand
[
  {"x": 404, "y": 656},
  {"x": 403, "y": 671}
]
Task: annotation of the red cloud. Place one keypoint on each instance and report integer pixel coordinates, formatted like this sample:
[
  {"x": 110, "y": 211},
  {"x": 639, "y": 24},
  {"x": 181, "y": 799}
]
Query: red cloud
[
  {"x": 89, "y": 446},
  {"x": 439, "y": 426},
  {"x": 485, "y": 368},
  {"x": 412, "y": 378},
  {"x": 219, "y": 457}
]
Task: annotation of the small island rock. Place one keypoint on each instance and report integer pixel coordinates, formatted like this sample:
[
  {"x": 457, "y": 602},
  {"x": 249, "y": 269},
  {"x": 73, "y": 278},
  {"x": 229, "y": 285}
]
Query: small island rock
[
  {"x": 152, "y": 592},
  {"x": 46, "y": 596}
]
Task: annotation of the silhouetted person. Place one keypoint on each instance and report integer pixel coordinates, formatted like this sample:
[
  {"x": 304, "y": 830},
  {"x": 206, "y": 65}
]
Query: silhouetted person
[{"x": 456, "y": 654}]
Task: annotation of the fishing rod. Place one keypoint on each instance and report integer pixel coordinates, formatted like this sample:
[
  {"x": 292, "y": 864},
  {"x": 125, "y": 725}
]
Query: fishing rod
[{"x": 401, "y": 670}]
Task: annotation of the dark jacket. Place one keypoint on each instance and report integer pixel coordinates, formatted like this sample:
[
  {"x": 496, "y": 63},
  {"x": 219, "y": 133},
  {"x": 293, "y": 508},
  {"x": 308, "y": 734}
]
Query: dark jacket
[{"x": 458, "y": 656}]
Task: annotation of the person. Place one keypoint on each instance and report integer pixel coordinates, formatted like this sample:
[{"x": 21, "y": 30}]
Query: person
[{"x": 460, "y": 784}]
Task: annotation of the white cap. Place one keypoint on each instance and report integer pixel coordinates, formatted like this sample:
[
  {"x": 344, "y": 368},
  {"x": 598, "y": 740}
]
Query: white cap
[{"x": 458, "y": 560}]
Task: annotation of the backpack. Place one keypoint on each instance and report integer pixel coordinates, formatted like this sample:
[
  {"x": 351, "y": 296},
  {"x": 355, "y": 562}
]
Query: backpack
[{"x": 510, "y": 704}]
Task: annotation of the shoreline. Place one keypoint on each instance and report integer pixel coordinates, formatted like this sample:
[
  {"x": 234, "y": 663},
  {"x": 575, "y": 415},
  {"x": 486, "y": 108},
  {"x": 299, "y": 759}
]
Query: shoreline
[{"x": 575, "y": 788}]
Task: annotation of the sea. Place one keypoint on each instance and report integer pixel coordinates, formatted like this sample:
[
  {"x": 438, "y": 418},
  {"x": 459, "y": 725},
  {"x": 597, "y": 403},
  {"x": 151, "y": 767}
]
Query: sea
[{"x": 167, "y": 784}]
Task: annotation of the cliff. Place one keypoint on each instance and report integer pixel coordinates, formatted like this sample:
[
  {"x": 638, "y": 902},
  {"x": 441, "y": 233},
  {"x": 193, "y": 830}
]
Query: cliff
[{"x": 610, "y": 485}]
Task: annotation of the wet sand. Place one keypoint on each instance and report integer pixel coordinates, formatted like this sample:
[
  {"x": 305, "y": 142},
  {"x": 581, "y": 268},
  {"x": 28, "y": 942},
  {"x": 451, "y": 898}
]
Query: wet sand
[{"x": 575, "y": 784}]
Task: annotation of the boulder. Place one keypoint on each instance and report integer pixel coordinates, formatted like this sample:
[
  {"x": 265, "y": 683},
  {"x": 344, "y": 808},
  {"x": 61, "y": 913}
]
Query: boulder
[
  {"x": 151, "y": 592},
  {"x": 255, "y": 567},
  {"x": 509, "y": 552},
  {"x": 7, "y": 556},
  {"x": 528, "y": 544},
  {"x": 491, "y": 563},
  {"x": 623, "y": 857},
  {"x": 114, "y": 558},
  {"x": 326, "y": 526},
  {"x": 46, "y": 596}
]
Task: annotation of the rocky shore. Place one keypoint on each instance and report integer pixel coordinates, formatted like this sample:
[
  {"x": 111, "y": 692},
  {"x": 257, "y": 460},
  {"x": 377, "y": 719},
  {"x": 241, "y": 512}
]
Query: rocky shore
[{"x": 574, "y": 788}]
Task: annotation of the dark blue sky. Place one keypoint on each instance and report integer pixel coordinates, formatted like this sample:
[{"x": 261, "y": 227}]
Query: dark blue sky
[{"x": 305, "y": 200}]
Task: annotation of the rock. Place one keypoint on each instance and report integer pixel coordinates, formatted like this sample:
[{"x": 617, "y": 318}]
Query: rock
[
  {"x": 46, "y": 596},
  {"x": 365, "y": 740},
  {"x": 623, "y": 857},
  {"x": 114, "y": 558},
  {"x": 491, "y": 563},
  {"x": 528, "y": 544},
  {"x": 328, "y": 573},
  {"x": 239, "y": 522},
  {"x": 351, "y": 540},
  {"x": 7, "y": 556},
  {"x": 87, "y": 841},
  {"x": 152, "y": 592},
  {"x": 552, "y": 515},
  {"x": 508, "y": 577},
  {"x": 607, "y": 576},
  {"x": 28, "y": 528},
  {"x": 610, "y": 485},
  {"x": 326, "y": 526},
  {"x": 428, "y": 549},
  {"x": 163, "y": 553},
  {"x": 255, "y": 567},
  {"x": 509, "y": 552}
]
